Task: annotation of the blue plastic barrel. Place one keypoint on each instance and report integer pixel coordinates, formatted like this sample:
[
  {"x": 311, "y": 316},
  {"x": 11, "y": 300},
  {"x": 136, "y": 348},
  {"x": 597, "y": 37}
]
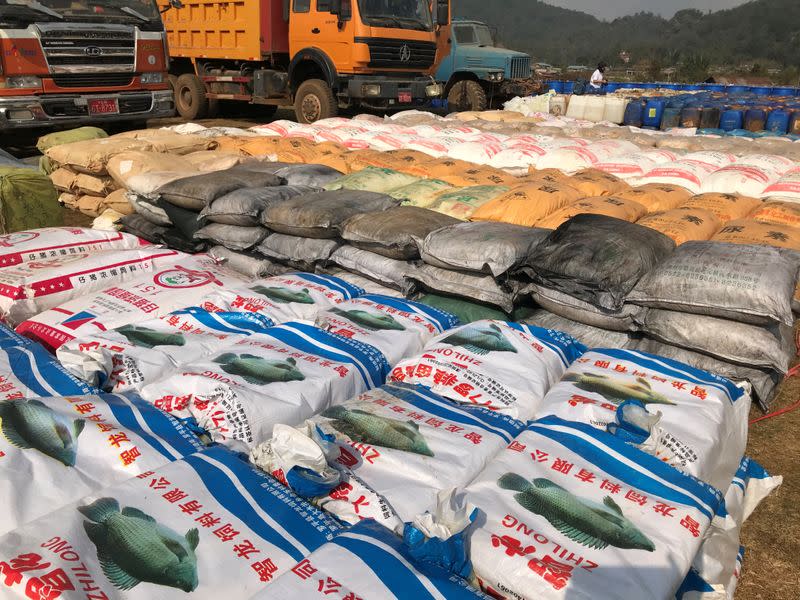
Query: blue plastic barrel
[
  {"x": 755, "y": 119},
  {"x": 761, "y": 91},
  {"x": 670, "y": 118},
  {"x": 568, "y": 87},
  {"x": 634, "y": 113},
  {"x": 715, "y": 87},
  {"x": 653, "y": 112},
  {"x": 676, "y": 102},
  {"x": 650, "y": 85},
  {"x": 731, "y": 120},
  {"x": 690, "y": 116},
  {"x": 710, "y": 117},
  {"x": 794, "y": 123},
  {"x": 556, "y": 86},
  {"x": 778, "y": 121},
  {"x": 783, "y": 91},
  {"x": 692, "y": 87},
  {"x": 738, "y": 90}
]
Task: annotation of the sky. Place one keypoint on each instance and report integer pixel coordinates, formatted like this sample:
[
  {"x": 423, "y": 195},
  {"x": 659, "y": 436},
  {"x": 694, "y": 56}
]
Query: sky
[{"x": 610, "y": 9}]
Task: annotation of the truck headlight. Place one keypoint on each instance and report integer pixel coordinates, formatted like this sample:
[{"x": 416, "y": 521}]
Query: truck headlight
[
  {"x": 152, "y": 78},
  {"x": 371, "y": 89},
  {"x": 23, "y": 81},
  {"x": 496, "y": 76},
  {"x": 434, "y": 90}
]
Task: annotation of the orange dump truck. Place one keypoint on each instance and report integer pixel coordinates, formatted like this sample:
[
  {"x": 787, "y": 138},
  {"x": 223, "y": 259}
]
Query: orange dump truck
[
  {"x": 316, "y": 55},
  {"x": 69, "y": 62}
]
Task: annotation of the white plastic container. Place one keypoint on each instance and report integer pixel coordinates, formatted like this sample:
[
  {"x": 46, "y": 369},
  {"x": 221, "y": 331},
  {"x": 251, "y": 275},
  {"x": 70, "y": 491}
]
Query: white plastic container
[
  {"x": 595, "y": 108},
  {"x": 577, "y": 107},
  {"x": 615, "y": 109},
  {"x": 558, "y": 105}
]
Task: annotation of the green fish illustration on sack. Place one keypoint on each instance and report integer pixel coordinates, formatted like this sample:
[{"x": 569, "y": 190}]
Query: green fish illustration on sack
[
  {"x": 368, "y": 320},
  {"x": 257, "y": 370},
  {"x": 32, "y": 424},
  {"x": 284, "y": 295},
  {"x": 615, "y": 390},
  {"x": 362, "y": 426},
  {"x": 583, "y": 521},
  {"x": 133, "y": 547},
  {"x": 480, "y": 339},
  {"x": 145, "y": 337}
]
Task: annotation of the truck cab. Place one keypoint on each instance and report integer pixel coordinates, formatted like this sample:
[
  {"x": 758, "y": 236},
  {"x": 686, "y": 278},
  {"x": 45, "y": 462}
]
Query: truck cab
[
  {"x": 316, "y": 55},
  {"x": 67, "y": 63},
  {"x": 475, "y": 70}
]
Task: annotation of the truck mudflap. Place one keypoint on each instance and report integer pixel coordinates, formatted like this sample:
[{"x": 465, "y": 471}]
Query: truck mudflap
[
  {"x": 18, "y": 112},
  {"x": 402, "y": 91}
]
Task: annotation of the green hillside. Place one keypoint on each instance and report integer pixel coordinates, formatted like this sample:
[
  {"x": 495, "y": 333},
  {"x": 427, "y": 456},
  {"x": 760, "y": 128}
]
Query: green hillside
[{"x": 761, "y": 30}]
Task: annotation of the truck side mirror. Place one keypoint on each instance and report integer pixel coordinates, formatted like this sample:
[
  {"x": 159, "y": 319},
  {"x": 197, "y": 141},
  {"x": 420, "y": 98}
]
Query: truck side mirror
[
  {"x": 172, "y": 4},
  {"x": 442, "y": 12},
  {"x": 342, "y": 8}
]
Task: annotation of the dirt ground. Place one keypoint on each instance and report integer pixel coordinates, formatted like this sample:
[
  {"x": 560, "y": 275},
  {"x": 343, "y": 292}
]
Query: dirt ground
[{"x": 772, "y": 535}]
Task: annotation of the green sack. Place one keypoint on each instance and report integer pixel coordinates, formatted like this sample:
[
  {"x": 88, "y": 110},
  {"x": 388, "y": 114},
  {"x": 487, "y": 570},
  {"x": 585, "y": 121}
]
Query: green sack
[
  {"x": 28, "y": 200},
  {"x": 469, "y": 312},
  {"x": 65, "y": 137},
  {"x": 46, "y": 165}
]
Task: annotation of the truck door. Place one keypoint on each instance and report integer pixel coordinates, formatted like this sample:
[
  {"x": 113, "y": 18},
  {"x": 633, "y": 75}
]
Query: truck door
[{"x": 311, "y": 24}]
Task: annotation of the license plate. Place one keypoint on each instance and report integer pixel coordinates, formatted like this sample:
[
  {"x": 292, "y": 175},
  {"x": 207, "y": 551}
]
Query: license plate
[
  {"x": 103, "y": 106},
  {"x": 404, "y": 97}
]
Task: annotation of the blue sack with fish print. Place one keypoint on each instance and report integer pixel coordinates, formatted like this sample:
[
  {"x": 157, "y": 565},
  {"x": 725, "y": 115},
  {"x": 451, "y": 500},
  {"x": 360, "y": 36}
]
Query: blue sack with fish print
[
  {"x": 29, "y": 371},
  {"x": 364, "y": 562},
  {"x": 284, "y": 374},
  {"x": 569, "y": 511},
  {"x": 208, "y": 524},
  {"x": 56, "y": 450}
]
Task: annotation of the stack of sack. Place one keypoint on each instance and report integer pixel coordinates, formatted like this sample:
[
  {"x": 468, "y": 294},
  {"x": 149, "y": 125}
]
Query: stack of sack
[
  {"x": 174, "y": 208},
  {"x": 702, "y": 303},
  {"x": 728, "y": 307},
  {"x": 465, "y": 441},
  {"x": 88, "y": 182},
  {"x": 552, "y": 504}
]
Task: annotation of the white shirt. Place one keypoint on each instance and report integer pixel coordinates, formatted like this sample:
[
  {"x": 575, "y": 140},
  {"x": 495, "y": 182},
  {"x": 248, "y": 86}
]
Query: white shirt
[{"x": 597, "y": 79}]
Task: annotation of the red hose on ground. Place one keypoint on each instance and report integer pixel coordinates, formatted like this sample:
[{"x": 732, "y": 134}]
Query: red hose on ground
[{"x": 792, "y": 372}]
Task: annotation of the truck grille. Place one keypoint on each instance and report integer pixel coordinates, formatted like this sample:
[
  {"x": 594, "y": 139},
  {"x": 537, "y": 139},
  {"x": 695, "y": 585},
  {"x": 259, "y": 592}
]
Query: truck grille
[
  {"x": 93, "y": 80},
  {"x": 521, "y": 68},
  {"x": 399, "y": 54},
  {"x": 88, "y": 48}
]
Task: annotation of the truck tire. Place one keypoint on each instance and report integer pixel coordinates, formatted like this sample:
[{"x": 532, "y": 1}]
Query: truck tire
[
  {"x": 466, "y": 95},
  {"x": 314, "y": 101},
  {"x": 190, "y": 98}
]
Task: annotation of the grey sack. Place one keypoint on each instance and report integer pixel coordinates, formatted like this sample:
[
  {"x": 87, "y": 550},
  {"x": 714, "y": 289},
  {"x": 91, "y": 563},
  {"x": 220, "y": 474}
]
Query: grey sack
[
  {"x": 597, "y": 259},
  {"x": 321, "y": 215}
]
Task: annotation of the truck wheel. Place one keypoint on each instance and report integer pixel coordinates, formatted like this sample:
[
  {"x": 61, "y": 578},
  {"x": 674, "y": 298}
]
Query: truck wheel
[
  {"x": 466, "y": 95},
  {"x": 190, "y": 98},
  {"x": 314, "y": 101}
]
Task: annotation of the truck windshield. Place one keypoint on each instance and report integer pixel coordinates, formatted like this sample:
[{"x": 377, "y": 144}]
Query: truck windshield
[
  {"x": 476, "y": 35},
  {"x": 107, "y": 11},
  {"x": 402, "y": 14}
]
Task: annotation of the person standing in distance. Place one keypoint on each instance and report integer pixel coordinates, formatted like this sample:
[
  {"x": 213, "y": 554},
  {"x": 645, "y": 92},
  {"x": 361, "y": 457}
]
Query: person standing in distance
[{"x": 598, "y": 78}]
